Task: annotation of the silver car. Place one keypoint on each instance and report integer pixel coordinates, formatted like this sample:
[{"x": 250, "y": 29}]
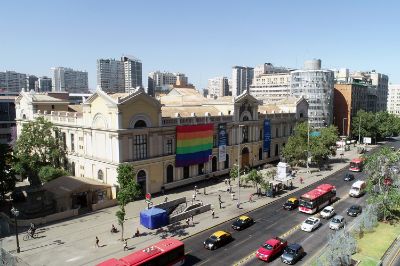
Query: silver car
[{"x": 337, "y": 222}]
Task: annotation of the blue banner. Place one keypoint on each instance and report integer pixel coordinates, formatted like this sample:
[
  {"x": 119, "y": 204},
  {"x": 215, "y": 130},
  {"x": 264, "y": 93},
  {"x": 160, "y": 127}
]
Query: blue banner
[
  {"x": 222, "y": 142},
  {"x": 267, "y": 135}
]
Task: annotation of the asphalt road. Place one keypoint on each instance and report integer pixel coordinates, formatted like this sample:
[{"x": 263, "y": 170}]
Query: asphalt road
[{"x": 271, "y": 220}]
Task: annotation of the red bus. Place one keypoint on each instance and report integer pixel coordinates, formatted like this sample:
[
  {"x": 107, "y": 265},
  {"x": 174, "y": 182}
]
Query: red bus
[
  {"x": 166, "y": 252},
  {"x": 356, "y": 165},
  {"x": 317, "y": 198}
]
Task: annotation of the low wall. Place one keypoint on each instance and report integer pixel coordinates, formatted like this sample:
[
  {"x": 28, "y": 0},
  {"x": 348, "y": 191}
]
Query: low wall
[
  {"x": 169, "y": 204},
  {"x": 187, "y": 214},
  {"x": 104, "y": 204},
  {"x": 194, "y": 179}
]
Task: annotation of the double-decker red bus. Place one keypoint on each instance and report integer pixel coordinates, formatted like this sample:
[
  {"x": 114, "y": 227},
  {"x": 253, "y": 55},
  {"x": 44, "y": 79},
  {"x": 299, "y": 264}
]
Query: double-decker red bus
[
  {"x": 356, "y": 165},
  {"x": 166, "y": 252},
  {"x": 317, "y": 198}
]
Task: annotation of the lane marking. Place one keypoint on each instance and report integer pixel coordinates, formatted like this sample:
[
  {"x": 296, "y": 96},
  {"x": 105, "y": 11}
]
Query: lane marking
[
  {"x": 244, "y": 240},
  {"x": 204, "y": 262}
]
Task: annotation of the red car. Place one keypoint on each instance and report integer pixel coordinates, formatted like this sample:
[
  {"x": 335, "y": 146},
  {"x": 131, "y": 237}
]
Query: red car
[{"x": 271, "y": 248}]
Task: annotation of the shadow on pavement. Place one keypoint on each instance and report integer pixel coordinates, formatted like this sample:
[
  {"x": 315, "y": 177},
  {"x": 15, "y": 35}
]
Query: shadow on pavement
[{"x": 191, "y": 260}]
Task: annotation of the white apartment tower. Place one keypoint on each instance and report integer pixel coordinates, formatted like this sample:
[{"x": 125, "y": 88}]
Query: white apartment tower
[
  {"x": 110, "y": 75},
  {"x": 132, "y": 73},
  {"x": 316, "y": 86},
  {"x": 67, "y": 79},
  {"x": 12, "y": 81},
  {"x": 393, "y": 103},
  {"x": 241, "y": 79},
  {"x": 218, "y": 86}
]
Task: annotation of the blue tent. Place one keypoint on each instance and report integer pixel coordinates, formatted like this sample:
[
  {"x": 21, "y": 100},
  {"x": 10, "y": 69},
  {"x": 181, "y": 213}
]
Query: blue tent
[{"x": 153, "y": 218}]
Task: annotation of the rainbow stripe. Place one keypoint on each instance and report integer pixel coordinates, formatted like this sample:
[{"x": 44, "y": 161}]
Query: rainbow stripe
[{"x": 193, "y": 144}]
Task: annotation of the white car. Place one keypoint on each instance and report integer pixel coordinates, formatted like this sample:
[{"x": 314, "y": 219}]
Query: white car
[
  {"x": 337, "y": 222},
  {"x": 311, "y": 224},
  {"x": 327, "y": 212}
]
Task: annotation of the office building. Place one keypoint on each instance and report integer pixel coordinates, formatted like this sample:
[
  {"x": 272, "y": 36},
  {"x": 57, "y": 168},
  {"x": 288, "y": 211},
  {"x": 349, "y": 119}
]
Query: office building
[
  {"x": 393, "y": 104},
  {"x": 32, "y": 84},
  {"x": 67, "y": 79},
  {"x": 218, "y": 87},
  {"x": 7, "y": 118},
  {"x": 44, "y": 84},
  {"x": 316, "y": 86},
  {"x": 270, "y": 83},
  {"x": 241, "y": 79},
  {"x": 349, "y": 98},
  {"x": 132, "y": 73},
  {"x": 110, "y": 75},
  {"x": 11, "y": 81},
  {"x": 160, "y": 83}
]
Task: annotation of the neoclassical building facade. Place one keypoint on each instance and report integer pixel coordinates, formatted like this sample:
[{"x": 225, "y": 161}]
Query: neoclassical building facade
[{"x": 110, "y": 129}]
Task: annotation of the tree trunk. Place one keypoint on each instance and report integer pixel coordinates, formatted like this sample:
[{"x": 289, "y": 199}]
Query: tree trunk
[{"x": 122, "y": 231}]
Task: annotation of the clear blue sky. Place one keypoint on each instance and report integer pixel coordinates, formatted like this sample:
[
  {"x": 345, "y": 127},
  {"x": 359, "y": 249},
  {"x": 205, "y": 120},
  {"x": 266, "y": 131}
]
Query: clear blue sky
[{"x": 200, "y": 38}]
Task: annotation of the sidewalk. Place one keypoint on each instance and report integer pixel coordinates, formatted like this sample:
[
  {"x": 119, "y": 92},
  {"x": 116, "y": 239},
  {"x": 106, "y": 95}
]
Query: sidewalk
[{"x": 73, "y": 239}]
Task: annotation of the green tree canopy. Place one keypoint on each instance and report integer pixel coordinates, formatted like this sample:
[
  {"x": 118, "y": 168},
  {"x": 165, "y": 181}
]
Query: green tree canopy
[
  {"x": 7, "y": 174},
  {"x": 383, "y": 182},
  {"x": 254, "y": 177},
  {"x": 48, "y": 173},
  {"x": 127, "y": 192},
  {"x": 38, "y": 145}
]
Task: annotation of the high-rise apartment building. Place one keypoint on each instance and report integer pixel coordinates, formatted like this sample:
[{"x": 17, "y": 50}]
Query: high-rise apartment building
[
  {"x": 316, "y": 86},
  {"x": 162, "y": 82},
  {"x": 67, "y": 79},
  {"x": 110, "y": 75},
  {"x": 270, "y": 83},
  {"x": 393, "y": 104},
  {"x": 12, "y": 81},
  {"x": 241, "y": 79},
  {"x": 31, "y": 81},
  {"x": 218, "y": 86},
  {"x": 44, "y": 84},
  {"x": 132, "y": 73}
]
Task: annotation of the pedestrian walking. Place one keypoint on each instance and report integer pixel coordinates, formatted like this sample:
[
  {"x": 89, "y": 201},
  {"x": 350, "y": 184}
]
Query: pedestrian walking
[
  {"x": 137, "y": 232},
  {"x": 204, "y": 191},
  {"x": 232, "y": 196},
  {"x": 97, "y": 242},
  {"x": 213, "y": 213},
  {"x": 219, "y": 197},
  {"x": 251, "y": 198},
  {"x": 229, "y": 182},
  {"x": 191, "y": 217},
  {"x": 220, "y": 204},
  {"x": 125, "y": 244},
  {"x": 226, "y": 181},
  {"x": 193, "y": 198},
  {"x": 187, "y": 221},
  {"x": 301, "y": 180},
  {"x": 166, "y": 199},
  {"x": 291, "y": 185},
  {"x": 238, "y": 204}
]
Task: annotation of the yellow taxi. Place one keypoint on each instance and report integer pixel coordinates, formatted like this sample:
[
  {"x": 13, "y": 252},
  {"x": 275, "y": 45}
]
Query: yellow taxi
[
  {"x": 291, "y": 204},
  {"x": 217, "y": 240},
  {"x": 242, "y": 222}
]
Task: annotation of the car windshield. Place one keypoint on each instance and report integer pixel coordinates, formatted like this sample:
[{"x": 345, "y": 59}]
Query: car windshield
[
  {"x": 267, "y": 246},
  {"x": 307, "y": 204},
  {"x": 336, "y": 220},
  {"x": 289, "y": 250},
  {"x": 355, "y": 188},
  {"x": 326, "y": 210},
  {"x": 308, "y": 221},
  {"x": 354, "y": 208},
  {"x": 213, "y": 238}
]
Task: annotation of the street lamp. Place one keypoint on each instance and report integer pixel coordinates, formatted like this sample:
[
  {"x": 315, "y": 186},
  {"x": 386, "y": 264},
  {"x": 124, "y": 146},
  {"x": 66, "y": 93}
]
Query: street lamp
[
  {"x": 238, "y": 202},
  {"x": 15, "y": 212},
  {"x": 345, "y": 118}
]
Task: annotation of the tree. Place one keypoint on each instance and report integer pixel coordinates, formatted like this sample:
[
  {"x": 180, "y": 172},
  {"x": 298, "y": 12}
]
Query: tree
[
  {"x": 341, "y": 245},
  {"x": 7, "y": 174},
  {"x": 38, "y": 145},
  {"x": 295, "y": 150},
  {"x": 48, "y": 173},
  {"x": 254, "y": 177},
  {"x": 382, "y": 168},
  {"x": 233, "y": 173},
  {"x": 321, "y": 146},
  {"x": 127, "y": 192},
  {"x": 368, "y": 126}
]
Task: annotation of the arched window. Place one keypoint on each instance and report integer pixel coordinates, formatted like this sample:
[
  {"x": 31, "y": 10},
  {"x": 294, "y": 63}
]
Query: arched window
[
  {"x": 276, "y": 149},
  {"x": 100, "y": 175},
  {"x": 170, "y": 173},
  {"x": 226, "y": 163},
  {"x": 140, "y": 124},
  {"x": 214, "y": 164},
  {"x": 260, "y": 154},
  {"x": 141, "y": 180},
  {"x": 245, "y": 118}
]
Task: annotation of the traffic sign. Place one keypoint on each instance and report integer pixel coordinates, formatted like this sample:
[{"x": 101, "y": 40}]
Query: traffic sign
[{"x": 148, "y": 196}]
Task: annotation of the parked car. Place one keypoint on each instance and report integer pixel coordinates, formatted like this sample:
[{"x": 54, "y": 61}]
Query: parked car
[
  {"x": 242, "y": 222},
  {"x": 327, "y": 212},
  {"x": 311, "y": 224},
  {"x": 291, "y": 204},
  {"x": 354, "y": 210},
  {"x": 271, "y": 248},
  {"x": 292, "y": 254},
  {"x": 348, "y": 177},
  {"x": 337, "y": 222},
  {"x": 217, "y": 240}
]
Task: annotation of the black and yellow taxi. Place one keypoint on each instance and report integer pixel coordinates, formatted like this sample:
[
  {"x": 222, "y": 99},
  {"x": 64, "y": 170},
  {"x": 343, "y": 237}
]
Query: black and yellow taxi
[
  {"x": 218, "y": 239},
  {"x": 291, "y": 204},
  {"x": 242, "y": 222}
]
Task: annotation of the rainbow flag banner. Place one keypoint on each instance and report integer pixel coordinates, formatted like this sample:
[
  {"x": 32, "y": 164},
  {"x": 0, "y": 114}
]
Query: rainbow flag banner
[{"x": 193, "y": 144}]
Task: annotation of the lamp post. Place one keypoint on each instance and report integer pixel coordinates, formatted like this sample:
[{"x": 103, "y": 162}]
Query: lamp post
[
  {"x": 345, "y": 118},
  {"x": 308, "y": 145},
  {"x": 239, "y": 139},
  {"x": 15, "y": 212}
]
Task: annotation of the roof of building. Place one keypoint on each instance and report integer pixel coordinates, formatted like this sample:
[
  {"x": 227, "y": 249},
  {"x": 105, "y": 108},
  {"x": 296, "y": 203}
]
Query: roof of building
[
  {"x": 45, "y": 98},
  {"x": 183, "y": 91},
  {"x": 75, "y": 108},
  {"x": 8, "y": 98},
  {"x": 186, "y": 111},
  {"x": 269, "y": 108},
  {"x": 66, "y": 185}
]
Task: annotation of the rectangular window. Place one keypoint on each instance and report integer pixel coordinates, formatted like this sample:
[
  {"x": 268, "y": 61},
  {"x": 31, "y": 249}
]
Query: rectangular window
[
  {"x": 168, "y": 146},
  {"x": 72, "y": 143},
  {"x": 64, "y": 140},
  {"x": 140, "y": 147},
  {"x": 215, "y": 141}
]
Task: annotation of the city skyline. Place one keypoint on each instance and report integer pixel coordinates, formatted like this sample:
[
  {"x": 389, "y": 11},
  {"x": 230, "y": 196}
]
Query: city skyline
[{"x": 289, "y": 36}]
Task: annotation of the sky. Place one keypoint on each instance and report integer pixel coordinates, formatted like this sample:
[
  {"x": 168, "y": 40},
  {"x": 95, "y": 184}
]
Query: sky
[{"x": 202, "y": 39}]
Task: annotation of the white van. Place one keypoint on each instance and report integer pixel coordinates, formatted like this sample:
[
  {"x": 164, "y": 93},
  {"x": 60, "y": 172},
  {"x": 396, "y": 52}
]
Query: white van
[{"x": 358, "y": 189}]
